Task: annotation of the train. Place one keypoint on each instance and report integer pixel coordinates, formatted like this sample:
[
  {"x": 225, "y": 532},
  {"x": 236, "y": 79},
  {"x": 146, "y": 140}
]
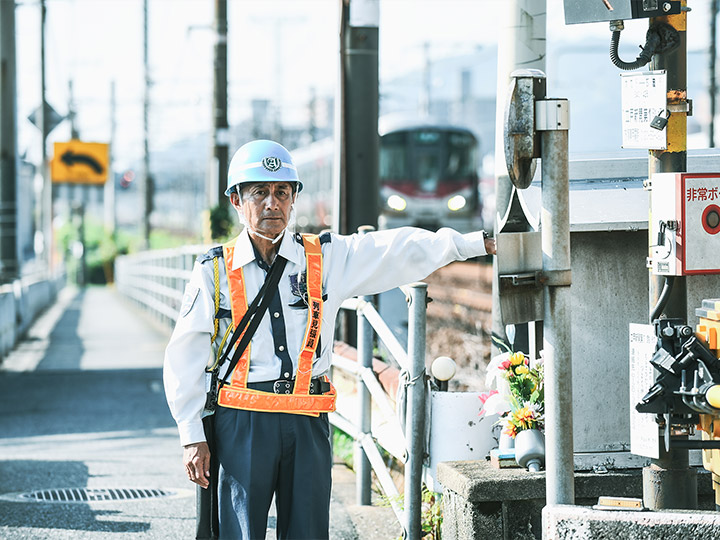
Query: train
[{"x": 428, "y": 174}]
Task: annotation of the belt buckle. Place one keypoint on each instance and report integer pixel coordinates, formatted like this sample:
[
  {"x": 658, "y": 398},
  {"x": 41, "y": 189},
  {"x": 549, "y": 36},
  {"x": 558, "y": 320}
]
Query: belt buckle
[{"x": 283, "y": 386}]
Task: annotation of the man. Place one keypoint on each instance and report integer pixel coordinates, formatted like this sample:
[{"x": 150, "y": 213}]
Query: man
[{"x": 271, "y": 425}]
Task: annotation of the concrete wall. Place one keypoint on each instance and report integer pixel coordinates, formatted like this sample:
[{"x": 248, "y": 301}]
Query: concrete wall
[{"x": 21, "y": 303}]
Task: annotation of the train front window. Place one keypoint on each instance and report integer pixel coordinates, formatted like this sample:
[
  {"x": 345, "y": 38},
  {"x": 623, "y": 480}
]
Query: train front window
[
  {"x": 427, "y": 157},
  {"x": 394, "y": 158}
]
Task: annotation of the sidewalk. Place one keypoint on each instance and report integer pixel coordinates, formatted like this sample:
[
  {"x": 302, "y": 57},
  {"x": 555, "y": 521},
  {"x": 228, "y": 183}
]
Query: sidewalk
[{"x": 82, "y": 406}]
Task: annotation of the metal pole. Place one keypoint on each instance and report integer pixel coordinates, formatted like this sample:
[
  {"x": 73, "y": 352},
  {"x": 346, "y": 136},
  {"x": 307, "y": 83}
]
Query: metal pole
[
  {"x": 521, "y": 45},
  {"x": 669, "y": 482},
  {"x": 713, "y": 61},
  {"x": 9, "y": 263},
  {"x": 555, "y": 219},
  {"x": 415, "y": 413},
  {"x": 364, "y": 351},
  {"x": 109, "y": 188},
  {"x": 45, "y": 220},
  {"x": 145, "y": 178},
  {"x": 221, "y": 135},
  {"x": 359, "y": 193}
]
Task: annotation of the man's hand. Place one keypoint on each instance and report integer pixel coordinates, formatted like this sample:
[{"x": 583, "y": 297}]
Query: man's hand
[
  {"x": 196, "y": 458},
  {"x": 490, "y": 246}
]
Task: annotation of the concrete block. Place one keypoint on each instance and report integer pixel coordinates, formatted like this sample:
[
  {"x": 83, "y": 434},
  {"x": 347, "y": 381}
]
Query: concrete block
[
  {"x": 563, "y": 522},
  {"x": 481, "y": 502}
]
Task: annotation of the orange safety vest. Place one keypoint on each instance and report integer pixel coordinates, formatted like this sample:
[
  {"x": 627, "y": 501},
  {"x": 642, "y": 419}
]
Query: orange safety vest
[{"x": 237, "y": 395}]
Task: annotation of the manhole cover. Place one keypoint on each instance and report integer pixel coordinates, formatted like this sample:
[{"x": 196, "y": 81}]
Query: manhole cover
[{"x": 66, "y": 495}]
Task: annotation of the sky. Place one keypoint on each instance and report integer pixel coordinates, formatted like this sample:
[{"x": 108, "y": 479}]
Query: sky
[{"x": 278, "y": 49}]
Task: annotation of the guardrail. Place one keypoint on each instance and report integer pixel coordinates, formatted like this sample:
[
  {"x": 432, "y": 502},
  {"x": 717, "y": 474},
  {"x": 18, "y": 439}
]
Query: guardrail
[
  {"x": 155, "y": 281},
  {"x": 22, "y": 301}
]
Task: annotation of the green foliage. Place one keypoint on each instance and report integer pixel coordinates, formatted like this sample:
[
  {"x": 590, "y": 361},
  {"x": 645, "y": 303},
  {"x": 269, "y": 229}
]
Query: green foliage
[
  {"x": 221, "y": 222},
  {"x": 431, "y": 517},
  {"x": 344, "y": 447}
]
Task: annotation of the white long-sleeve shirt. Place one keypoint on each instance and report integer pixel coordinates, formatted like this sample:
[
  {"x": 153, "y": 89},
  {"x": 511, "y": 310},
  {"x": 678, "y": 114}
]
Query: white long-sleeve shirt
[{"x": 353, "y": 265}]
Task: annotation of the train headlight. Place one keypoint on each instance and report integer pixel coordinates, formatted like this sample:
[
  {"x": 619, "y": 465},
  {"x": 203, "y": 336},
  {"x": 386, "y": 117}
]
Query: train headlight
[
  {"x": 397, "y": 203},
  {"x": 456, "y": 203}
]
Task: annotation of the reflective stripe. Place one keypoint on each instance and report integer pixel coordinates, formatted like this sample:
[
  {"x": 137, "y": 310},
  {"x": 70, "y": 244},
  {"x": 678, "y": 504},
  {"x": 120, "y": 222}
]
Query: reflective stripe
[
  {"x": 238, "y": 307},
  {"x": 237, "y": 395}
]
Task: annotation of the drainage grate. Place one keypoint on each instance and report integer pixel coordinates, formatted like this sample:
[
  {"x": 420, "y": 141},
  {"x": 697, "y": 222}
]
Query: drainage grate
[{"x": 94, "y": 494}]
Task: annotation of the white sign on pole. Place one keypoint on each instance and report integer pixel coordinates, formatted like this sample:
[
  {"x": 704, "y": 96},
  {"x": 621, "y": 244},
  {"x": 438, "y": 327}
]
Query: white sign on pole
[
  {"x": 644, "y": 435},
  {"x": 365, "y": 13},
  {"x": 643, "y": 96}
]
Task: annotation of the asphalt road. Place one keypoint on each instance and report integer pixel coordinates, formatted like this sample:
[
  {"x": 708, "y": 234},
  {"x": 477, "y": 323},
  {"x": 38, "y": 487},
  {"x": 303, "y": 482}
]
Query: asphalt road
[{"x": 82, "y": 406}]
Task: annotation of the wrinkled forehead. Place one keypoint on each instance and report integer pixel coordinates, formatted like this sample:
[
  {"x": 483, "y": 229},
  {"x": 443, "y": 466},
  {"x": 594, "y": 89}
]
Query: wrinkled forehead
[{"x": 251, "y": 186}]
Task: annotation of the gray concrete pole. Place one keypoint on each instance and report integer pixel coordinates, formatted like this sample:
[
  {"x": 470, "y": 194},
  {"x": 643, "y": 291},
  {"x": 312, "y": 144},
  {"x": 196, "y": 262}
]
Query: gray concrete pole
[
  {"x": 670, "y": 482},
  {"x": 521, "y": 46},
  {"x": 145, "y": 177},
  {"x": 9, "y": 263},
  {"x": 415, "y": 412},
  {"x": 221, "y": 134},
  {"x": 555, "y": 232}
]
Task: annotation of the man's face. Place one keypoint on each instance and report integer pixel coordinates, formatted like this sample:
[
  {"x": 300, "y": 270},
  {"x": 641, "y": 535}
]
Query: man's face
[{"x": 265, "y": 205}]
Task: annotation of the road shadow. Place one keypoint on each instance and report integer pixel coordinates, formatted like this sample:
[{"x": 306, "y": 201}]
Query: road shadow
[
  {"x": 24, "y": 476},
  {"x": 66, "y": 347},
  {"x": 63, "y": 402}
]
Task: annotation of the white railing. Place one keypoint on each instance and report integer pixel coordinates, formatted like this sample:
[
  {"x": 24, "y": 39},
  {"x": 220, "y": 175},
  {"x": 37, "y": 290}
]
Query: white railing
[{"x": 155, "y": 281}]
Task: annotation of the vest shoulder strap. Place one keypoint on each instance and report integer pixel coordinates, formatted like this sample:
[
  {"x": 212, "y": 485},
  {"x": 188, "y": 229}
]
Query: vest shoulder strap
[{"x": 210, "y": 254}]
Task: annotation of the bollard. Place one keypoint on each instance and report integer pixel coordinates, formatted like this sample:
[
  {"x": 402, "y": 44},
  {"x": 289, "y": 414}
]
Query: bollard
[{"x": 415, "y": 413}]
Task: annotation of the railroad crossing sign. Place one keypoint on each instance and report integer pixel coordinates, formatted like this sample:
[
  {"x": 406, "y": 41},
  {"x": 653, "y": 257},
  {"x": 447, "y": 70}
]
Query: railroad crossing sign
[{"x": 80, "y": 162}]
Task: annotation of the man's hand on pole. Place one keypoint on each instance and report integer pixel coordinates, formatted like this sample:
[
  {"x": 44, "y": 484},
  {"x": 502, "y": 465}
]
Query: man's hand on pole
[
  {"x": 196, "y": 458},
  {"x": 490, "y": 246}
]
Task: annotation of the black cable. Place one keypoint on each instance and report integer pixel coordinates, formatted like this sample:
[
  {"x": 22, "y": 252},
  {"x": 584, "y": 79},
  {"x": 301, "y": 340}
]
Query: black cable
[
  {"x": 664, "y": 297},
  {"x": 651, "y": 40}
]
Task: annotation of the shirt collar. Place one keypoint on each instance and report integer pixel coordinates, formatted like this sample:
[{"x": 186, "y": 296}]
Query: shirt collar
[{"x": 244, "y": 252}]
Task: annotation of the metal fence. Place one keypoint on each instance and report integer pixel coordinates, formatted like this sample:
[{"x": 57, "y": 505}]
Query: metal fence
[{"x": 155, "y": 281}]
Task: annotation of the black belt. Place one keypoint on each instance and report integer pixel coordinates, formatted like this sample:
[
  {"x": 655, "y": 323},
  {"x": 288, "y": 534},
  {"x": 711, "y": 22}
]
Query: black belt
[{"x": 285, "y": 386}]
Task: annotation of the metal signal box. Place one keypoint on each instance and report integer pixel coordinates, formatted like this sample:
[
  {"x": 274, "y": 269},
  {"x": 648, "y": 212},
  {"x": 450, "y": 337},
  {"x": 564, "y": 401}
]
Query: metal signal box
[
  {"x": 685, "y": 229},
  {"x": 590, "y": 11}
]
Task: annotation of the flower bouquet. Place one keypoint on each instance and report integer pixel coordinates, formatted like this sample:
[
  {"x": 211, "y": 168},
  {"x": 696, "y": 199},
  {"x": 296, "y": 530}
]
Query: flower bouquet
[{"x": 519, "y": 397}]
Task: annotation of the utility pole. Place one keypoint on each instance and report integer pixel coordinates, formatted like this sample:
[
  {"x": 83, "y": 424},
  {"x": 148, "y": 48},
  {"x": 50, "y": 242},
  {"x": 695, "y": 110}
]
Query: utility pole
[
  {"x": 521, "y": 46},
  {"x": 426, "y": 96},
  {"x": 9, "y": 263},
  {"x": 713, "y": 61},
  {"x": 45, "y": 221},
  {"x": 145, "y": 179},
  {"x": 359, "y": 140},
  {"x": 109, "y": 193},
  {"x": 221, "y": 133},
  {"x": 72, "y": 112},
  {"x": 80, "y": 191},
  {"x": 669, "y": 482}
]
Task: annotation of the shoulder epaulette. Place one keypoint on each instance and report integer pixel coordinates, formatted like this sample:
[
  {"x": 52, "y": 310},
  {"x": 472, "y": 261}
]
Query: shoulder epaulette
[
  {"x": 325, "y": 238},
  {"x": 210, "y": 254}
]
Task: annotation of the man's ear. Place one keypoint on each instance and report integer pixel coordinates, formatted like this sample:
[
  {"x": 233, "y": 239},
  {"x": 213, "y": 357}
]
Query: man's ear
[{"x": 235, "y": 199}]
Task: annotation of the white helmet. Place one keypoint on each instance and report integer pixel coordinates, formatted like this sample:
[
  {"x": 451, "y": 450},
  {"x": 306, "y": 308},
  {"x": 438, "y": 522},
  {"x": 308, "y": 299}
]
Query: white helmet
[{"x": 261, "y": 161}]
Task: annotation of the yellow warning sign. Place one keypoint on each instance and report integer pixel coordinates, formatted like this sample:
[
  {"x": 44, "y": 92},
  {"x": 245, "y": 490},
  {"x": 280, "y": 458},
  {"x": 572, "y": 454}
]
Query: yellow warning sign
[{"x": 80, "y": 162}]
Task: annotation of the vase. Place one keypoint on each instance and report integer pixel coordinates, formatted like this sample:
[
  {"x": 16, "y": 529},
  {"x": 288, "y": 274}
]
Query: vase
[
  {"x": 530, "y": 449},
  {"x": 505, "y": 442}
]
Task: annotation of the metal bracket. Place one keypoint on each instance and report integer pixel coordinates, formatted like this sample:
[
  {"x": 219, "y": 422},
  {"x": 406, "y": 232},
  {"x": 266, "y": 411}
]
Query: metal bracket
[
  {"x": 681, "y": 107},
  {"x": 552, "y": 115}
]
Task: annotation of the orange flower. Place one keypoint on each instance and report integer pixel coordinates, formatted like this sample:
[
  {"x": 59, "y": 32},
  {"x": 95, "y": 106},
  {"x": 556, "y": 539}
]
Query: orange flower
[
  {"x": 524, "y": 416},
  {"x": 511, "y": 430}
]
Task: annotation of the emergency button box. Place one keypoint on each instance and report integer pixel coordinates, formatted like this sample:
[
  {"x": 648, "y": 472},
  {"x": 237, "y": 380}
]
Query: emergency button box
[{"x": 685, "y": 223}]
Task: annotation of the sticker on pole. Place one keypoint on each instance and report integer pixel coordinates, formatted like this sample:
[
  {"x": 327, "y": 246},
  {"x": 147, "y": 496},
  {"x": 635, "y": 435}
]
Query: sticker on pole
[
  {"x": 643, "y": 97},
  {"x": 644, "y": 435}
]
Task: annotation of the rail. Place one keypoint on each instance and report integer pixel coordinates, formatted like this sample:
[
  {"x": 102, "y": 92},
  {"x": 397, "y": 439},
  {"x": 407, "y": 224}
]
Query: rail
[{"x": 155, "y": 281}]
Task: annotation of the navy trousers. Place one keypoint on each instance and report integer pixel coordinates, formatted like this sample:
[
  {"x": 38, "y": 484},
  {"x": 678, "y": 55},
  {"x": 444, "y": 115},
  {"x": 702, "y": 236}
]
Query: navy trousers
[{"x": 266, "y": 454}]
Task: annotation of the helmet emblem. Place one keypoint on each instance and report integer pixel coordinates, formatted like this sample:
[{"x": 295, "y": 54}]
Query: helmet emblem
[{"x": 272, "y": 164}]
